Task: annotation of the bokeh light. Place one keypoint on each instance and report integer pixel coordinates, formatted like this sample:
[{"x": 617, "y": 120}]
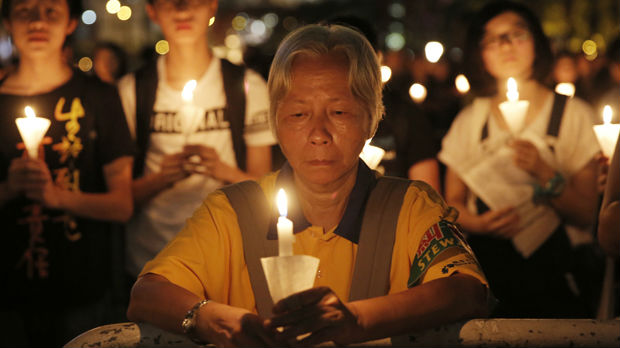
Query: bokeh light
[
  {"x": 85, "y": 64},
  {"x": 211, "y": 21},
  {"x": 89, "y": 17},
  {"x": 239, "y": 22},
  {"x": 124, "y": 13},
  {"x": 433, "y": 51},
  {"x": 395, "y": 41},
  {"x": 565, "y": 88},
  {"x": 417, "y": 92},
  {"x": 386, "y": 73},
  {"x": 162, "y": 47},
  {"x": 113, "y": 6},
  {"x": 462, "y": 84},
  {"x": 270, "y": 19}
]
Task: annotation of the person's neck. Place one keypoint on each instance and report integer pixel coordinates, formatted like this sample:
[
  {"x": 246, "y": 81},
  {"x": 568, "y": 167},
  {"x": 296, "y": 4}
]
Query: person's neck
[
  {"x": 187, "y": 62},
  {"x": 38, "y": 75},
  {"x": 325, "y": 205}
]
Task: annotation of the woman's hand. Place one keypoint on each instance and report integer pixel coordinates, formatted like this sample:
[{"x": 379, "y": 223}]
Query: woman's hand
[
  {"x": 32, "y": 177},
  {"x": 317, "y": 312},
  {"x": 206, "y": 161},
  {"x": 227, "y": 326},
  {"x": 500, "y": 223},
  {"x": 528, "y": 158}
]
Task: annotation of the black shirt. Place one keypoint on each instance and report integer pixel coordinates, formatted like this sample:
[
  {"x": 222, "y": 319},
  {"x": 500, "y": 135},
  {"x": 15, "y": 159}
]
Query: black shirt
[{"x": 49, "y": 257}]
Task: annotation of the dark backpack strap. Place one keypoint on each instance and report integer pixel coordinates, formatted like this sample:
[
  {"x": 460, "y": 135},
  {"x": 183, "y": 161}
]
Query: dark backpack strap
[
  {"x": 146, "y": 89},
  {"x": 371, "y": 276},
  {"x": 557, "y": 112},
  {"x": 485, "y": 130},
  {"x": 254, "y": 214},
  {"x": 234, "y": 88}
]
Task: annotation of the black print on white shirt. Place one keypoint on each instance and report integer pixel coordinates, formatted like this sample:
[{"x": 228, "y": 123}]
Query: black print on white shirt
[{"x": 172, "y": 121}]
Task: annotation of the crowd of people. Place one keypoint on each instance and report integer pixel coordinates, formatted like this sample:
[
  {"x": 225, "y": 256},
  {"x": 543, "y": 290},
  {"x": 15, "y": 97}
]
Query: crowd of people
[{"x": 129, "y": 209}]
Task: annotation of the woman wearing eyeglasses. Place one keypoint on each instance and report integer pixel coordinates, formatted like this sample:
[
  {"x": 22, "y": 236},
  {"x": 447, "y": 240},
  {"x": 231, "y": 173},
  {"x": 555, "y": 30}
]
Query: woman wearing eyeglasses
[{"x": 522, "y": 193}]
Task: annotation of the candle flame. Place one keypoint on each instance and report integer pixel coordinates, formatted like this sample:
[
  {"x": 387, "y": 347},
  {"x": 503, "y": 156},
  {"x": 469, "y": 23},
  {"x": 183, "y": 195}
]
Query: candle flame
[
  {"x": 29, "y": 112},
  {"x": 513, "y": 93},
  {"x": 188, "y": 91},
  {"x": 282, "y": 202},
  {"x": 607, "y": 113}
]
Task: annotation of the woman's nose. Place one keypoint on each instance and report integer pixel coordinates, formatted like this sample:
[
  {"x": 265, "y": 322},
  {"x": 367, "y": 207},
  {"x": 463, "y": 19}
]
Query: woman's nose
[{"x": 320, "y": 133}]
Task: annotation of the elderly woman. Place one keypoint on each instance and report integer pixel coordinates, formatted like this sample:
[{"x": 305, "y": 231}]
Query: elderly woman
[{"x": 325, "y": 91}]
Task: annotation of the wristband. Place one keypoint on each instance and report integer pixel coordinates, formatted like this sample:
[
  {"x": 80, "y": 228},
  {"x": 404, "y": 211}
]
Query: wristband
[{"x": 553, "y": 188}]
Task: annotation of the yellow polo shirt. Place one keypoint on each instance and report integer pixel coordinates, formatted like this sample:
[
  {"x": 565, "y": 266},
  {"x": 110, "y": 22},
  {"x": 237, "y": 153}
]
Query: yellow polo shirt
[{"x": 206, "y": 257}]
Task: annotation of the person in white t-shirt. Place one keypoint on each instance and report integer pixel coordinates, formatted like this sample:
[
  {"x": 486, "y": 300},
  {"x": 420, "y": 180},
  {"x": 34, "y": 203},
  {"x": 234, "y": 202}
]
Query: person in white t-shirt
[
  {"x": 190, "y": 147},
  {"x": 517, "y": 191}
]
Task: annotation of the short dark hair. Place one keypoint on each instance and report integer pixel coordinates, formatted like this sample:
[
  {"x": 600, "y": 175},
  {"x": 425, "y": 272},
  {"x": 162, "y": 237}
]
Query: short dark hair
[
  {"x": 75, "y": 8},
  {"x": 481, "y": 81}
]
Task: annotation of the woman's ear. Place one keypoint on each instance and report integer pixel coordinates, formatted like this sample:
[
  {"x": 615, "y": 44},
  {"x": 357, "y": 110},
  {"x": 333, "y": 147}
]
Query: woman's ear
[{"x": 73, "y": 23}]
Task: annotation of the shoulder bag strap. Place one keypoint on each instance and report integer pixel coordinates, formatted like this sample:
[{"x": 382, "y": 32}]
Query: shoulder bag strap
[
  {"x": 557, "y": 112},
  {"x": 234, "y": 88},
  {"x": 254, "y": 214},
  {"x": 146, "y": 89},
  {"x": 371, "y": 276}
]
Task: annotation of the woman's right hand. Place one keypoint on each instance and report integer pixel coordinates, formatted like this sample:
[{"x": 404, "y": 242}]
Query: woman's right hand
[
  {"x": 227, "y": 326},
  {"x": 502, "y": 223}
]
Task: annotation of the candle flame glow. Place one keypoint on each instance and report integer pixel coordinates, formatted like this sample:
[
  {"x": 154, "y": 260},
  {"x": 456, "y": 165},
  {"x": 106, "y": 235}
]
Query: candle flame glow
[
  {"x": 513, "y": 93},
  {"x": 282, "y": 202},
  {"x": 29, "y": 112},
  {"x": 607, "y": 113},
  {"x": 188, "y": 91}
]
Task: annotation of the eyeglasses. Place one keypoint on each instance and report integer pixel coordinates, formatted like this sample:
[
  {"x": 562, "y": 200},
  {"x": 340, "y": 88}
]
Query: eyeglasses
[{"x": 514, "y": 36}]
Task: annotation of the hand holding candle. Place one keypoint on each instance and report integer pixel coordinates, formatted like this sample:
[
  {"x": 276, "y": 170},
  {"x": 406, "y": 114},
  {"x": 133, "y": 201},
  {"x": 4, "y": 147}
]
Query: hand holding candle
[
  {"x": 32, "y": 129},
  {"x": 607, "y": 133},
  {"x": 514, "y": 110}
]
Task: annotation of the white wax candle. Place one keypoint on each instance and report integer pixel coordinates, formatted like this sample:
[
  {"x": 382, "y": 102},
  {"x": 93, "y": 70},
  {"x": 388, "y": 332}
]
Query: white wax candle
[
  {"x": 188, "y": 110},
  {"x": 32, "y": 129},
  {"x": 372, "y": 155},
  {"x": 514, "y": 110},
  {"x": 284, "y": 226},
  {"x": 607, "y": 133}
]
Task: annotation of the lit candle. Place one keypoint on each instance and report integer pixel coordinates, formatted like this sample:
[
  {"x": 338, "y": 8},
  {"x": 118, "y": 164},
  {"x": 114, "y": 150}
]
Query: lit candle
[
  {"x": 32, "y": 129},
  {"x": 513, "y": 109},
  {"x": 188, "y": 111},
  {"x": 285, "y": 227},
  {"x": 372, "y": 155},
  {"x": 607, "y": 133}
]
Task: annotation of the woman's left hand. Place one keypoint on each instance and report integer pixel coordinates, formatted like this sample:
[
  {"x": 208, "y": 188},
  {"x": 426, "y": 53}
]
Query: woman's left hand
[
  {"x": 528, "y": 158},
  {"x": 317, "y": 312}
]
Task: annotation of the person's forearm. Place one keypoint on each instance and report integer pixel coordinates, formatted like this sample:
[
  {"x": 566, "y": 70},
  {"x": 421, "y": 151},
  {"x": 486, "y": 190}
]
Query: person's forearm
[
  {"x": 147, "y": 187},
  {"x": 422, "y": 307},
  {"x": 157, "y": 301},
  {"x": 112, "y": 206},
  {"x": 577, "y": 202},
  {"x": 426, "y": 170}
]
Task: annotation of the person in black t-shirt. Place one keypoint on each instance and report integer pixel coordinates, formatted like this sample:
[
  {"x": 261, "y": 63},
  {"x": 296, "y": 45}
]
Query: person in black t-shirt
[{"x": 57, "y": 252}]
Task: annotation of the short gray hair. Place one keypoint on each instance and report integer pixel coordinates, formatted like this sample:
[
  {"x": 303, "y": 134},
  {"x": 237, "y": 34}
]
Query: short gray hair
[{"x": 317, "y": 40}]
